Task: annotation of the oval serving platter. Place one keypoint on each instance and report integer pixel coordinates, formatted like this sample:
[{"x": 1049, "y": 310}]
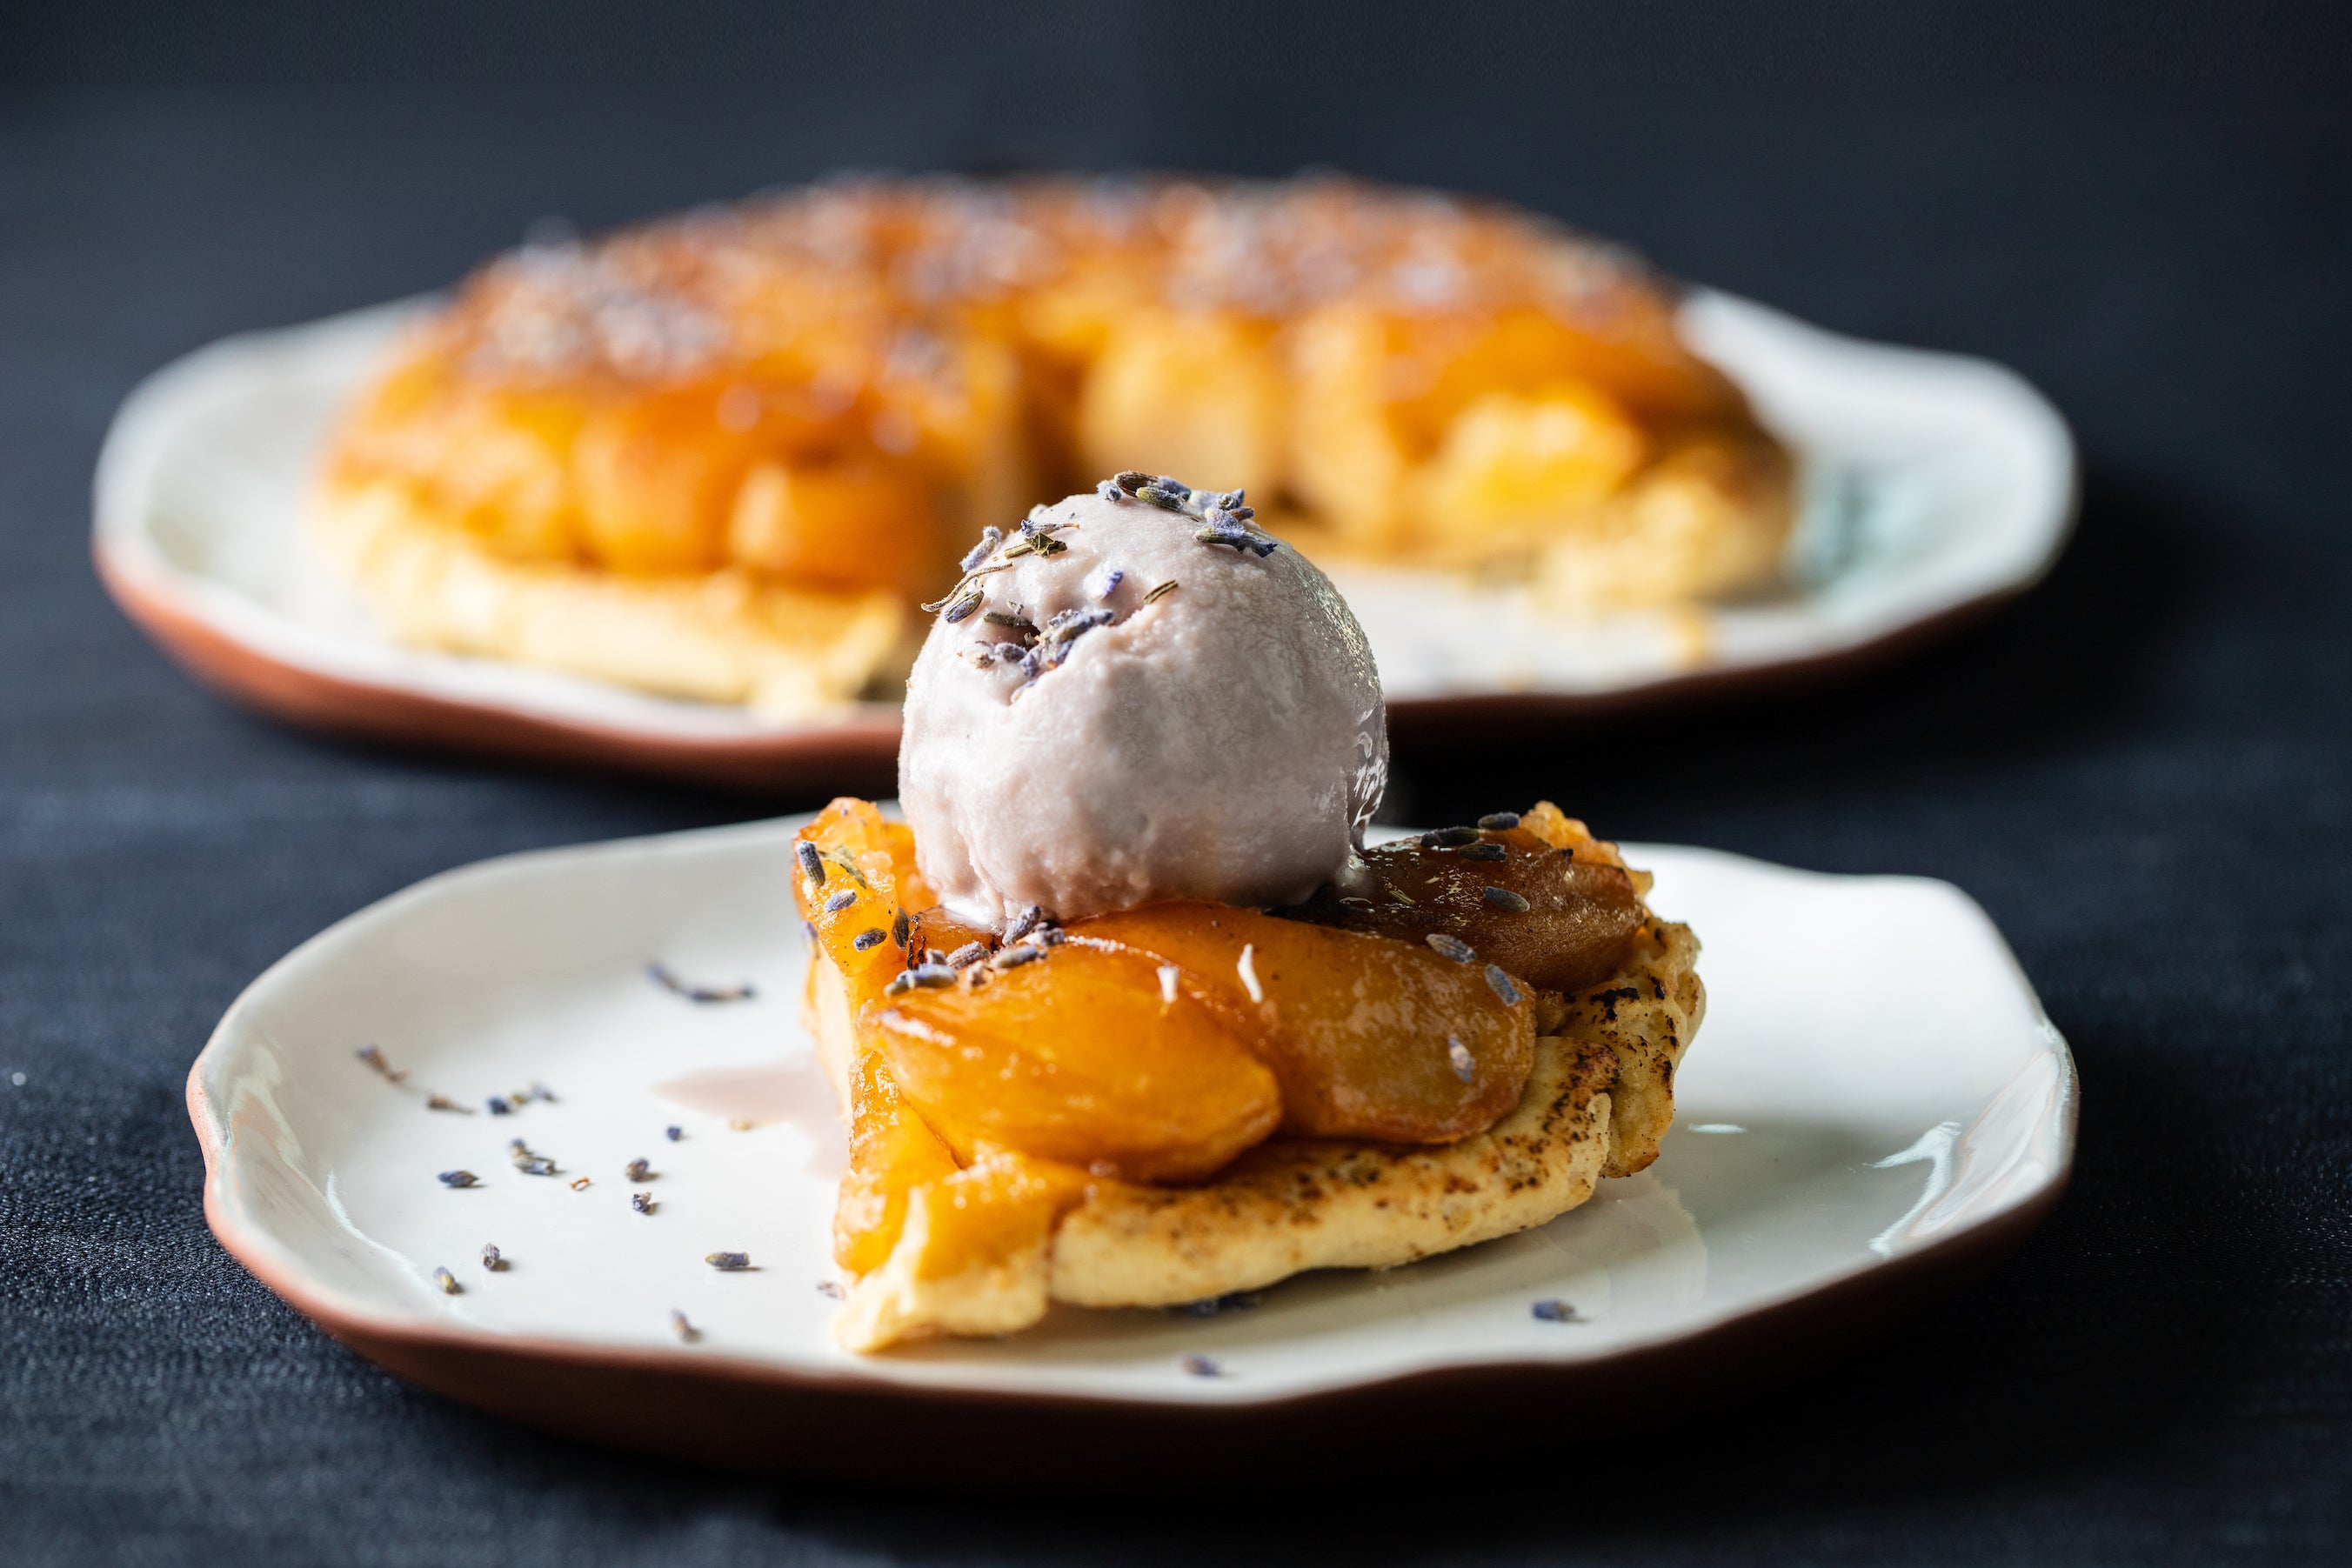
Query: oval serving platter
[
  {"x": 1934, "y": 485},
  {"x": 1839, "y": 1153}
]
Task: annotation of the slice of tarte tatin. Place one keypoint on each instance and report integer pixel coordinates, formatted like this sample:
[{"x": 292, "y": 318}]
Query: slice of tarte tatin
[{"x": 1173, "y": 1103}]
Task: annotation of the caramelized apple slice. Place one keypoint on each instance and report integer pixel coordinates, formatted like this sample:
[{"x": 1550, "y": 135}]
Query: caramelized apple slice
[
  {"x": 1078, "y": 1057},
  {"x": 973, "y": 1258},
  {"x": 1370, "y": 1037},
  {"x": 992, "y": 1211},
  {"x": 854, "y": 874},
  {"x": 1557, "y": 910},
  {"x": 891, "y": 1151}
]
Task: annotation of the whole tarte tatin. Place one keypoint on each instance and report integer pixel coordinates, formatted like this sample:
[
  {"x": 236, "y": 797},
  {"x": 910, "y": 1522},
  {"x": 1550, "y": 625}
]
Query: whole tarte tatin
[{"x": 716, "y": 455}]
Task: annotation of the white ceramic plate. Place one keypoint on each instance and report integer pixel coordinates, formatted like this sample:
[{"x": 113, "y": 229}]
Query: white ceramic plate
[
  {"x": 1874, "y": 1084},
  {"x": 1933, "y": 484}
]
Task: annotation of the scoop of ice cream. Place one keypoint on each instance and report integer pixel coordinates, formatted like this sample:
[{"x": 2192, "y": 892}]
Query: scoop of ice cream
[{"x": 1140, "y": 699}]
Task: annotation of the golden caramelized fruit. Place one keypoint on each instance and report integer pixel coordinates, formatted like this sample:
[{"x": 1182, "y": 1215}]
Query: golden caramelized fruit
[
  {"x": 655, "y": 479},
  {"x": 1078, "y": 1057},
  {"x": 1368, "y": 1037},
  {"x": 850, "y": 523},
  {"x": 891, "y": 1151},
  {"x": 987, "y": 1213},
  {"x": 1521, "y": 466},
  {"x": 1554, "y": 907},
  {"x": 849, "y": 849}
]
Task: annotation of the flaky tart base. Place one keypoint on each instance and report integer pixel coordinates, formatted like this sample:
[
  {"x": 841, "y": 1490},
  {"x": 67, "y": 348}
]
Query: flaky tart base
[
  {"x": 1598, "y": 1099},
  {"x": 790, "y": 655}
]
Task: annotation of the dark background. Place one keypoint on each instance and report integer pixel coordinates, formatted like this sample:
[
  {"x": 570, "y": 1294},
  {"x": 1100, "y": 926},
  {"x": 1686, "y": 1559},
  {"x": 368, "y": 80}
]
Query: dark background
[{"x": 2142, "y": 770}]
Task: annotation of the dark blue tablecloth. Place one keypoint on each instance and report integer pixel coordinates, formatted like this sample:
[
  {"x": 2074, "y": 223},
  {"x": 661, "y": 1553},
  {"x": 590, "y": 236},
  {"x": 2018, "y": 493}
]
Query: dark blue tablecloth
[{"x": 2142, "y": 771}]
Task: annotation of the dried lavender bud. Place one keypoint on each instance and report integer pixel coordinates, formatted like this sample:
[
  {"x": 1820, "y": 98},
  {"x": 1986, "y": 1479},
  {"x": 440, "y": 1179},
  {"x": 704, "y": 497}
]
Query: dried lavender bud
[
  {"x": 1174, "y": 487},
  {"x": 1504, "y": 898},
  {"x": 643, "y": 1202},
  {"x": 1449, "y": 838},
  {"x": 375, "y": 1058},
  {"x": 499, "y": 1107},
  {"x": 1023, "y": 923},
  {"x": 1131, "y": 481},
  {"x": 728, "y": 1262},
  {"x": 1231, "y": 500},
  {"x": 1484, "y": 853},
  {"x": 965, "y": 956},
  {"x": 1111, "y": 579},
  {"x": 990, "y": 537},
  {"x": 841, "y": 901},
  {"x": 668, "y": 982},
  {"x": 1453, "y": 948},
  {"x": 1166, "y": 500},
  {"x": 1014, "y": 957},
  {"x": 459, "y": 1179},
  {"x": 1553, "y": 1311},
  {"x": 962, "y": 607},
  {"x": 1070, "y": 623},
  {"x": 442, "y": 1103},
  {"x": 899, "y": 929},
  {"x": 679, "y": 1326},
  {"x": 673, "y": 1133},
  {"x": 1201, "y": 1366},
  {"x": 638, "y": 1170},
  {"x": 1465, "y": 1066},
  {"x": 811, "y": 863},
  {"x": 448, "y": 1282},
  {"x": 1008, "y": 618},
  {"x": 492, "y": 1258},
  {"x": 871, "y": 937},
  {"x": 827, "y": 1288},
  {"x": 1499, "y": 821},
  {"x": 931, "y": 975},
  {"x": 1109, "y": 491},
  {"x": 1502, "y": 987}
]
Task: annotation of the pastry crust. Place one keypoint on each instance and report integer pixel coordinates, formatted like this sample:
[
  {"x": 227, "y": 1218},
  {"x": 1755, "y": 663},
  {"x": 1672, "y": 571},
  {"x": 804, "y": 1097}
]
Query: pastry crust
[
  {"x": 1598, "y": 1100},
  {"x": 788, "y": 654}
]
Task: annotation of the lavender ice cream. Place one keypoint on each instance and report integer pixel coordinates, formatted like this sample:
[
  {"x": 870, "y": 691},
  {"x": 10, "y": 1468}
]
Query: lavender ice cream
[{"x": 1138, "y": 697}]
